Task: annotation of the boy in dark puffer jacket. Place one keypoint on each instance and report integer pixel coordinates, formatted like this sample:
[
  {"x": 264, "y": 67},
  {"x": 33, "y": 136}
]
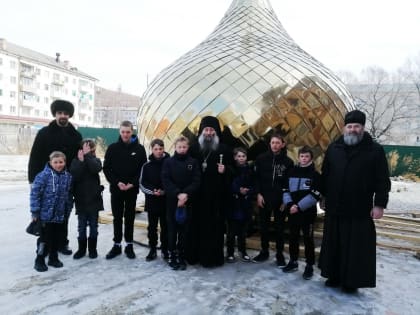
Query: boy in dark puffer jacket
[
  {"x": 51, "y": 203},
  {"x": 181, "y": 181},
  {"x": 300, "y": 199},
  {"x": 155, "y": 205},
  {"x": 87, "y": 191},
  {"x": 243, "y": 183}
]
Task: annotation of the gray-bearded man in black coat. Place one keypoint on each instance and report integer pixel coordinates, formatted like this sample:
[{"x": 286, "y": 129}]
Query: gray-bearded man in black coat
[
  {"x": 356, "y": 184},
  {"x": 205, "y": 240}
]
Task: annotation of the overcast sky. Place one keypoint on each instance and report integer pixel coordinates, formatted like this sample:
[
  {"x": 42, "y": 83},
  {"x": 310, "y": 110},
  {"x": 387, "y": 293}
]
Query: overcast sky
[{"x": 120, "y": 42}]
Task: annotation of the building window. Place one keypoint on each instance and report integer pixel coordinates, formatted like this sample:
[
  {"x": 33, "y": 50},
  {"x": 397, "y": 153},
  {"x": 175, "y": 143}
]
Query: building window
[
  {"x": 13, "y": 109},
  {"x": 74, "y": 81},
  {"x": 26, "y": 111},
  {"x": 1, "y": 108},
  {"x": 66, "y": 79},
  {"x": 12, "y": 64},
  {"x": 1, "y": 61},
  {"x": 45, "y": 113},
  {"x": 1, "y": 92},
  {"x": 38, "y": 85},
  {"x": 56, "y": 76},
  {"x": 46, "y": 100},
  {"x": 13, "y": 80},
  {"x": 37, "y": 71},
  {"x": 1, "y": 76},
  {"x": 36, "y": 112},
  {"x": 47, "y": 74},
  {"x": 46, "y": 87},
  {"x": 12, "y": 94},
  {"x": 73, "y": 93}
]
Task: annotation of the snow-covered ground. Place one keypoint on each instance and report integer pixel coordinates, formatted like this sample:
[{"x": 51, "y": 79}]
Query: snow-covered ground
[{"x": 123, "y": 286}]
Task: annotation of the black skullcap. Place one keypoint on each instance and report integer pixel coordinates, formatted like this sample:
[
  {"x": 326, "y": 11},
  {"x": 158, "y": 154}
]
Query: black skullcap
[
  {"x": 62, "y": 105},
  {"x": 210, "y": 121},
  {"x": 355, "y": 117}
]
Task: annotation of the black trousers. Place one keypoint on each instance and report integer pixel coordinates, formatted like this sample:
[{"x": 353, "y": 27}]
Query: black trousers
[
  {"x": 123, "y": 204},
  {"x": 238, "y": 229},
  {"x": 63, "y": 234},
  {"x": 155, "y": 216},
  {"x": 302, "y": 221},
  {"x": 177, "y": 232},
  {"x": 51, "y": 235},
  {"x": 279, "y": 221}
]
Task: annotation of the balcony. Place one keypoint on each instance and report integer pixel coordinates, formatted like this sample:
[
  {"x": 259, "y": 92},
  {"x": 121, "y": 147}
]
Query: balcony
[
  {"x": 28, "y": 73},
  {"x": 56, "y": 81},
  {"x": 29, "y": 102},
  {"x": 57, "y": 94},
  {"x": 28, "y": 88}
]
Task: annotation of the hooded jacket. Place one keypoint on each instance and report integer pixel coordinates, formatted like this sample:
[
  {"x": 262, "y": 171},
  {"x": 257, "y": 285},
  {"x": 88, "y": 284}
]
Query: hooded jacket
[
  {"x": 271, "y": 175},
  {"x": 303, "y": 188},
  {"x": 123, "y": 163},
  {"x": 51, "y": 199},
  {"x": 87, "y": 189}
]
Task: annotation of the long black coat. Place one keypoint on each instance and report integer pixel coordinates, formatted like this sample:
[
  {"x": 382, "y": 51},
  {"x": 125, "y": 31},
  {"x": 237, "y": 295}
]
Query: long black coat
[
  {"x": 87, "y": 189},
  {"x": 52, "y": 138},
  {"x": 206, "y": 239},
  {"x": 354, "y": 179}
]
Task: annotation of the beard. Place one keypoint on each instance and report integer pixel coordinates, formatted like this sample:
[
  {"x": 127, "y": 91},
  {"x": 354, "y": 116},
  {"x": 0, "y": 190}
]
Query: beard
[
  {"x": 63, "y": 122},
  {"x": 209, "y": 142},
  {"x": 353, "y": 138}
]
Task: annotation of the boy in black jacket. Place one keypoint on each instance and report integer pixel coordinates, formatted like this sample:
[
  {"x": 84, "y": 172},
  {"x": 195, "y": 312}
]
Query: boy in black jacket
[
  {"x": 301, "y": 198},
  {"x": 181, "y": 180},
  {"x": 155, "y": 205},
  {"x": 243, "y": 178},
  {"x": 123, "y": 162},
  {"x": 87, "y": 191},
  {"x": 271, "y": 178}
]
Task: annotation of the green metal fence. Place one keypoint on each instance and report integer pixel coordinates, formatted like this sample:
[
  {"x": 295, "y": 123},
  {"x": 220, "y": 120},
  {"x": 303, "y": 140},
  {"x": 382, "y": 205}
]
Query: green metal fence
[{"x": 402, "y": 160}]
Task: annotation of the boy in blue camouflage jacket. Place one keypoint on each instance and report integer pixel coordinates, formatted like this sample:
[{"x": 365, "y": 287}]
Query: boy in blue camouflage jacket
[{"x": 51, "y": 203}]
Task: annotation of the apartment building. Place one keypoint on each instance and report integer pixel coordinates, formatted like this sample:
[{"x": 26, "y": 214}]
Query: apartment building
[
  {"x": 112, "y": 107},
  {"x": 30, "y": 81}
]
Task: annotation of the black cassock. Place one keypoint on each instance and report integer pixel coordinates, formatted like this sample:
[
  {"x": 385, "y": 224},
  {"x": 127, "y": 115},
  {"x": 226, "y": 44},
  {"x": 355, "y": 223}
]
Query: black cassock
[
  {"x": 205, "y": 239},
  {"x": 355, "y": 178}
]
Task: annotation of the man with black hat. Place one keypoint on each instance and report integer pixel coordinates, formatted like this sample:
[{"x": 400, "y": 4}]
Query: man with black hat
[
  {"x": 205, "y": 240},
  {"x": 355, "y": 180},
  {"x": 59, "y": 135}
]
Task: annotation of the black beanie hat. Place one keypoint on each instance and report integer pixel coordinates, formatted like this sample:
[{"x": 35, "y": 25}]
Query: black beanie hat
[
  {"x": 62, "y": 105},
  {"x": 210, "y": 121},
  {"x": 355, "y": 117}
]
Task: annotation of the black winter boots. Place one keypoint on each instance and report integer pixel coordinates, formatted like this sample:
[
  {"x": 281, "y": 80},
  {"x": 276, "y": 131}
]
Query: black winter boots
[
  {"x": 92, "y": 241},
  {"x": 114, "y": 252},
  {"x": 81, "y": 251},
  {"x": 54, "y": 261},
  {"x": 40, "y": 265},
  {"x": 152, "y": 254}
]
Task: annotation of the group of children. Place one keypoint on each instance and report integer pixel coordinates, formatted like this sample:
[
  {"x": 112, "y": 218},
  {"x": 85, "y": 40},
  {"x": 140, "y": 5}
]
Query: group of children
[
  {"x": 170, "y": 185},
  {"x": 51, "y": 202}
]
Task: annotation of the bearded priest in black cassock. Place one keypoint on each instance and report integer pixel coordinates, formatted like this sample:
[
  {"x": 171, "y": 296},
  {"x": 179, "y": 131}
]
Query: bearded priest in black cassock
[{"x": 205, "y": 240}]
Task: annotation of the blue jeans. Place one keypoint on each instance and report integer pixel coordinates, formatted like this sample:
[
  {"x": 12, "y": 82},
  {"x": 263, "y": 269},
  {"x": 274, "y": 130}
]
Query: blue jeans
[{"x": 85, "y": 220}]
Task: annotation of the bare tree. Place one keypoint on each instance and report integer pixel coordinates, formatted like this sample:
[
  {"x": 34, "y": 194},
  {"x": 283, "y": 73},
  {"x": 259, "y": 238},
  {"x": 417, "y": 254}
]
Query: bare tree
[
  {"x": 411, "y": 71},
  {"x": 385, "y": 98}
]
